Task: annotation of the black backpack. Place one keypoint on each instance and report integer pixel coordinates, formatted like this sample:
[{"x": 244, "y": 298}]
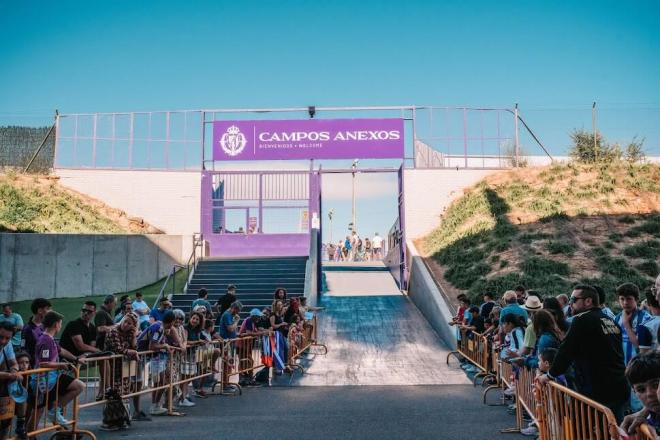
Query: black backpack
[{"x": 115, "y": 413}]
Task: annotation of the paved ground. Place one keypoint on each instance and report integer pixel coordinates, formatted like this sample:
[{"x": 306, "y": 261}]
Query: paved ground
[
  {"x": 445, "y": 412},
  {"x": 376, "y": 337}
]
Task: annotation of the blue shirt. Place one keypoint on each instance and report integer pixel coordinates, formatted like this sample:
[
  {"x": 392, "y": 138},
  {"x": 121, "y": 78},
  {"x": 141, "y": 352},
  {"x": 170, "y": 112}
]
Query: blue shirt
[
  {"x": 157, "y": 314},
  {"x": 513, "y": 309},
  {"x": 639, "y": 318},
  {"x": 15, "y": 320},
  {"x": 647, "y": 333},
  {"x": 227, "y": 319},
  {"x": 7, "y": 353}
]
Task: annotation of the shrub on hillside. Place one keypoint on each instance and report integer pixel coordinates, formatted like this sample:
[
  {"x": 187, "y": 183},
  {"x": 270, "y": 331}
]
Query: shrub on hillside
[
  {"x": 646, "y": 249},
  {"x": 586, "y": 149}
]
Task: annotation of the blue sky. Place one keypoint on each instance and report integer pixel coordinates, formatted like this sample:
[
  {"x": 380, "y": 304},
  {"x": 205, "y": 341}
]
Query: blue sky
[{"x": 553, "y": 58}]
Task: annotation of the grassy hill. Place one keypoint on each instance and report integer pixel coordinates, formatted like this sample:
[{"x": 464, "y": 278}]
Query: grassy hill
[
  {"x": 549, "y": 228},
  {"x": 39, "y": 204}
]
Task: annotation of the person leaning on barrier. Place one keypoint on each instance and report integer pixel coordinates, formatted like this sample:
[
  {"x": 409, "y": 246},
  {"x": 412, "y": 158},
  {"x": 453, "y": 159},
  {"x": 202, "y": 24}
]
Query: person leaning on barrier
[
  {"x": 643, "y": 374},
  {"x": 48, "y": 354},
  {"x": 178, "y": 338},
  {"x": 593, "y": 345},
  {"x": 122, "y": 340},
  {"x": 249, "y": 327},
  {"x": 16, "y": 320},
  {"x": 79, "y": 335},
  {"x": 476, "y": 322},
  {"x": 8, "y": 371},
  {"x": 153, "y": 339}
]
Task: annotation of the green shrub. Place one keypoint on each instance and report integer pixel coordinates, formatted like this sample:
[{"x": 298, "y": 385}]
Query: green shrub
[
  {"x": 646, "y": 249},
  {"x": 536, "y": 267},
  {"x": 615, "y": 237},
  {"x": 649, "y": 267},
  {"x": 561, "y": 247},
  {"x": 627, "y": 219}
]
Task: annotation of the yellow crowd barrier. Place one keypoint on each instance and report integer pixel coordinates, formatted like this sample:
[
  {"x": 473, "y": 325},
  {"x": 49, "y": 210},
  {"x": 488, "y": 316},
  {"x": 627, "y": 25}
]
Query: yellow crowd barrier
[
  {"x": 474, "y": 347},
  {"x": 300, "y": 340}
]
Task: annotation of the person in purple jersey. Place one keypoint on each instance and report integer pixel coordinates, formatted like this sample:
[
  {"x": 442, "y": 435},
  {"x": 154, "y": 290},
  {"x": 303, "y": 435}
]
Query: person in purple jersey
[
  {"x": 47, "y": 355},
  {"x": 33, "y": 329}
]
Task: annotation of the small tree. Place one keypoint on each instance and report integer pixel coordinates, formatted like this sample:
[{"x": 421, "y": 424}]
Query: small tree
[
  {"x": 634, "y": 151},
  {"x": 584, "y": 149}
]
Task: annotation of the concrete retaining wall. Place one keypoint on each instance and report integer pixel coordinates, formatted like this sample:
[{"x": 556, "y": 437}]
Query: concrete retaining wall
[
  {"x": 428, "y": 192},
  {"x": 425, "y": 294},
  {"x": 168, "y": 200},
  {"x": 71, "y": 265}
]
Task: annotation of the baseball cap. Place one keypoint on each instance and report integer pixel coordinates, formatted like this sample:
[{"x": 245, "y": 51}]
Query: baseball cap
[{"x": 256, "y": 312}]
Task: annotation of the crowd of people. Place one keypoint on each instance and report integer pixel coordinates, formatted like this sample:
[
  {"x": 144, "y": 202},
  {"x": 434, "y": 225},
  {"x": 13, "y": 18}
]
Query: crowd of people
[
  {"x": 128, "y": 327},
  {"x": 354, "y": 248},
  {"x": 576, "y": 340}
]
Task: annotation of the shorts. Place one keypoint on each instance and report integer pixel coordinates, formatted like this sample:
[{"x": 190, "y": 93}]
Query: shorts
[{"x": 63, "y": 382}]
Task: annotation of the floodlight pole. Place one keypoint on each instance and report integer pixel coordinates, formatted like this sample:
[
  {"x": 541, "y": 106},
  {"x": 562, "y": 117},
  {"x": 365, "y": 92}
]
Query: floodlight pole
[{"x": 354, "y": 168}]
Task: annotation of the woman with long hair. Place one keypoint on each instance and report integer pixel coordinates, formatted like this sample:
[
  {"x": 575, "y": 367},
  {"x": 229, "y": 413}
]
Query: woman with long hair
[
  {"x": 553, "y": 306},
  {"x": 548, "y": 335},
  {"x": 281, "y": 328}
]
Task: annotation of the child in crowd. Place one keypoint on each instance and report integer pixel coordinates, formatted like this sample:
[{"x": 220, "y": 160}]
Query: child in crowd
[
  {"x": 546, "y": 358},
  {"x": 643, "y": 374},
  {"x": 513, "y": 325}
]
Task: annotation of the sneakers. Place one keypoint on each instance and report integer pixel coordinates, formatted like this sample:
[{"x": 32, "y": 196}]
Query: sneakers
[
  {"x": 140, "y": 416},
  {"x": 185, "y": 403},
  {"x": 510, "y": 391},
  {"x": 55, "y": 416},
  {"x": 199, "y": 393},
  {"x": 157, "y": 410}
]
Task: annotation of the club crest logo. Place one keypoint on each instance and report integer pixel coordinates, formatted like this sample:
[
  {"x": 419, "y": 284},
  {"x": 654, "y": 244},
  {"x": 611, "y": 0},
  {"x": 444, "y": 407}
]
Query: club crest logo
[{"x": 233, "y": 141}]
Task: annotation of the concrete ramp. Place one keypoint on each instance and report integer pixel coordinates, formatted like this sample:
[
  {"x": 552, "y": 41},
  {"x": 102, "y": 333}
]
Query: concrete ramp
[{"x": 375, "y": 336}]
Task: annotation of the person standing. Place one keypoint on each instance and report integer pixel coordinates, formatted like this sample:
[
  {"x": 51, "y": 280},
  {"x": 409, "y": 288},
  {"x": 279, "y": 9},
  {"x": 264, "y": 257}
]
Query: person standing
[
  {"x": 17, "y": 321},
  {"x": 594, "y": 346},
  {"x": 33, "y": 329},
  {"x": 203, "y": 300},
  {"x": 377, "y": 243},
  {"x": 103, "y": 319},
  {"x": 367, "y": 249},
  {"x": 629, "y": 318},
  {"x": 223, "y": 304}
]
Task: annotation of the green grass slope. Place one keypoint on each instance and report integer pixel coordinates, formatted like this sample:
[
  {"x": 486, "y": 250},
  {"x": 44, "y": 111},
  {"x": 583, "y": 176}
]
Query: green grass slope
[
  {"x": 40, "y": 204},
  {"x": 551, "y": 227}
]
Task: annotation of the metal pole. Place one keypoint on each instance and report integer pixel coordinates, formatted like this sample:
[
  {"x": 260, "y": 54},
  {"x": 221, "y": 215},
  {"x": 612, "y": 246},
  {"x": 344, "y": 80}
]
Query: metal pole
[
  {"x": 593, "y": 125},
  {"x": 517, "y": 144},
  {"x": 354, "y": 166}
]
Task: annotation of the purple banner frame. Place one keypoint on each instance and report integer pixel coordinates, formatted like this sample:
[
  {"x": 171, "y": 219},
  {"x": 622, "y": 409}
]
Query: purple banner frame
[{"x": 308, "y": 139}]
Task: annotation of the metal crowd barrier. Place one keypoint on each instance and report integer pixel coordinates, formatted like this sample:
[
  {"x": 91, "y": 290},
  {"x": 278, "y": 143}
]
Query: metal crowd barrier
[
  {"x": 151, "y": 372},
  {"x": 559, "y": 412},
  {"x": 43, "y": 390},
  {"x": 301, "y": 339},
  {"x": 474, "y": 347}
]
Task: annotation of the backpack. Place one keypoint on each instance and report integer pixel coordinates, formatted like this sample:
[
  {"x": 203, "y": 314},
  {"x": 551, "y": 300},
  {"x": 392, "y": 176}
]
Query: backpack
[{"x": 115, "y": 413}]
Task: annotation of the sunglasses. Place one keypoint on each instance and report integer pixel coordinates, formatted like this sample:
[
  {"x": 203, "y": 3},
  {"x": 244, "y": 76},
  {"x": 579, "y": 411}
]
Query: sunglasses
[
  {"x": 85, "y": 311},
  {"x": 574, "y": 299}
]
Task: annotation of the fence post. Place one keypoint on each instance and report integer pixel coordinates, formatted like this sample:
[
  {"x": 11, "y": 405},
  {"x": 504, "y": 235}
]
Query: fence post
[{"x": 517, "y": 139}]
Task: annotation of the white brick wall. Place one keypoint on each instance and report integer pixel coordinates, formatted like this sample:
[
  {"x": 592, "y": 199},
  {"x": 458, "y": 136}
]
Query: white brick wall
[
  {"x": 428, "y": 192},
  {"x": 168, "y": 200}
]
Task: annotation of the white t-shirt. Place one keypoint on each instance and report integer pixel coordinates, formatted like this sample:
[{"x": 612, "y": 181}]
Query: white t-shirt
[{"x": 377, "y": 242}]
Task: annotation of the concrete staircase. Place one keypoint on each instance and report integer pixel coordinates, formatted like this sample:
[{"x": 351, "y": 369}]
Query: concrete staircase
[{"x": 255, "y": 279}]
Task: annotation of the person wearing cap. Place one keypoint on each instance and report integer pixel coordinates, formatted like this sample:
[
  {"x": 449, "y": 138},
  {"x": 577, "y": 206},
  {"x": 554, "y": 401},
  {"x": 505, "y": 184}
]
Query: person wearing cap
[
  {"x": 223, "y": 304},
  {"x": 10, "y": 372},
  {"x": 532, "y": 304}
]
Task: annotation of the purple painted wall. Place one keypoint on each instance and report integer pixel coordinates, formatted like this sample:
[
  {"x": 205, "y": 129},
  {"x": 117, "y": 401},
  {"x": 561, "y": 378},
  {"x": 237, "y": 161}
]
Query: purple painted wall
[{"x": 258, "y": 245}]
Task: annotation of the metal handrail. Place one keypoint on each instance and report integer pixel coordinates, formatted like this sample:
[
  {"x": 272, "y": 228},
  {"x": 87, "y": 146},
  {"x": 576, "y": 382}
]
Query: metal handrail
[{"x": 190, "y": 266}]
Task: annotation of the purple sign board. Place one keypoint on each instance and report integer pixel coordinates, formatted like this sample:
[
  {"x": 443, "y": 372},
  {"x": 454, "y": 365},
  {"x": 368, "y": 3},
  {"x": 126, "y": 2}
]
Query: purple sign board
[{"x": 308, "y": 139}]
